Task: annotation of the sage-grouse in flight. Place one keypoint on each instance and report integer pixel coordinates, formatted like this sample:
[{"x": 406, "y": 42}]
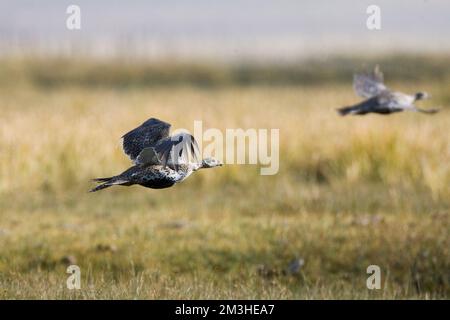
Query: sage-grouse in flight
[
  {"x": 379, "y": 99},
  {"x": 159, "y": 160}
]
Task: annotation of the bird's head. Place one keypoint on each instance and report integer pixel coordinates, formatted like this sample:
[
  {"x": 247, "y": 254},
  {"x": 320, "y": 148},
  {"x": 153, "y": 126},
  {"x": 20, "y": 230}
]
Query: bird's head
[
  {"x": 211, "y": 163},
  {"x": 422, "y": 96}
]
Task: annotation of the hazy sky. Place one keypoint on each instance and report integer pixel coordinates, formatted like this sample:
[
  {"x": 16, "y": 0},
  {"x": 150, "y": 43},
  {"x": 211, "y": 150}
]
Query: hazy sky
[{"x": 232, "y": 29}]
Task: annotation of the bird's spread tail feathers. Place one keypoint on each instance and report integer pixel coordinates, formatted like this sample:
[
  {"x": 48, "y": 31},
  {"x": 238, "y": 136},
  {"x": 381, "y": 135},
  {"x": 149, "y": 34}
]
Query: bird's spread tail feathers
[
  {"x": 100, "y": 187},
  {"x": 108, "y": 182},
  {"x": 348, "y": 110},
  {"x": 102, "y": 179}
]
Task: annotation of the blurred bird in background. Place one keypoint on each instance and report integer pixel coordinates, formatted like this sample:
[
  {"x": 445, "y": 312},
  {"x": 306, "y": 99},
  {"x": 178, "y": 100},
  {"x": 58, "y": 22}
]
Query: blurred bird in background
[{"x": 380, "y": 99}]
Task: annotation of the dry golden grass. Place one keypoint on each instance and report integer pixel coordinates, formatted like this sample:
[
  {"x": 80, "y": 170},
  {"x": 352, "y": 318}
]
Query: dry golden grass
[{"x": 350, "y": 192}]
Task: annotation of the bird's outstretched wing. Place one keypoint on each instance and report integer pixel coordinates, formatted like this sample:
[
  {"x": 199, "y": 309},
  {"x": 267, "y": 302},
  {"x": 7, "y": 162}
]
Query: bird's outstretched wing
[
  {"x": 148, "y": 156},
  {"x": 177, "y": 149},
  {"x": 171, "y": 151},
  {"x": 146, "y": 135},
  {"x": 369, "y": 84}
]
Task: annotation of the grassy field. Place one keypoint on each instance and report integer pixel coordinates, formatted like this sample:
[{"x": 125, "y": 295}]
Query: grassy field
[{"x": 350, "y": 192}]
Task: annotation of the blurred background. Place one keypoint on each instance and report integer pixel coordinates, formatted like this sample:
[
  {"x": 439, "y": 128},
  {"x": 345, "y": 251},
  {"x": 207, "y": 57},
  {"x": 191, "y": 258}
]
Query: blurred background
[
  {"x": 276, "y": 31},
  {"x": 351, "y": 192}
]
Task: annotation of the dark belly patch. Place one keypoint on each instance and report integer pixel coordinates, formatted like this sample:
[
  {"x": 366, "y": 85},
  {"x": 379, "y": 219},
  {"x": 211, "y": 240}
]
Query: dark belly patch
[{"x": 158, "y": 183}]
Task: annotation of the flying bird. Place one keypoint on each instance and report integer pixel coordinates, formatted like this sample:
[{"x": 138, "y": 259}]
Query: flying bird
[
  {"x": 379, "y": 99},
  {"x": 159, "y": 160}
]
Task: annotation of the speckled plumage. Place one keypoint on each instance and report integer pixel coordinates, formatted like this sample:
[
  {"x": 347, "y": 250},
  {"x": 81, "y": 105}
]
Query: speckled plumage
[
  {"x": 160, "y": 161},
  {"x": 146, "y": 135}
]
